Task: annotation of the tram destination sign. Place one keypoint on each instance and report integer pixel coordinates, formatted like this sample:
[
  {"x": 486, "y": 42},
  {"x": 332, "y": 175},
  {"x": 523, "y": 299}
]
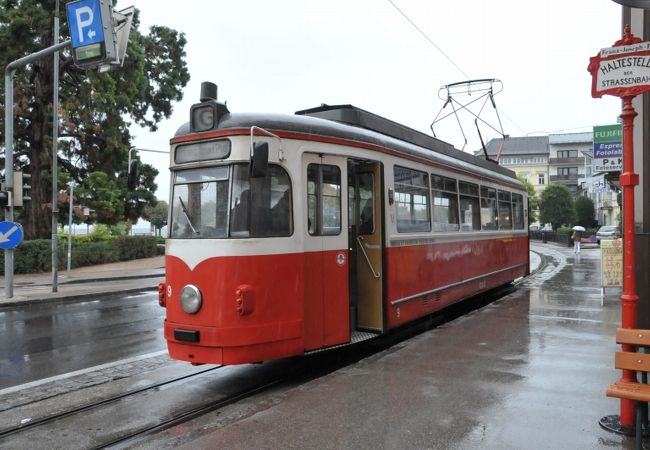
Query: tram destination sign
[{"x": 621, "y": 71}]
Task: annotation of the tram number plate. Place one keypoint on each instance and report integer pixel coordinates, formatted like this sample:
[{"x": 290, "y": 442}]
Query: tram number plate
[{"x": 186, "y": 335}]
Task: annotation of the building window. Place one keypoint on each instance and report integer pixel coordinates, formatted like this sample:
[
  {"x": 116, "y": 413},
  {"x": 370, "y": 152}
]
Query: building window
[
  {"x": 541, "y": 178},
  {"x": 567, "y": 154},
  {"x": 567, "y": 171}
]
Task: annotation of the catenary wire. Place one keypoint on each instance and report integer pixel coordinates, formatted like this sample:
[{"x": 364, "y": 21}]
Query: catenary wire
[{"x": 446, "y": 56}]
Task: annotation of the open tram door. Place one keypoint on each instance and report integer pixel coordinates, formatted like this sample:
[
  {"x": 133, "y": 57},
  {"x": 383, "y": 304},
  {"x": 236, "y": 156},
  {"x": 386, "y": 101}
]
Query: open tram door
[{"x": 365, "y": 238}]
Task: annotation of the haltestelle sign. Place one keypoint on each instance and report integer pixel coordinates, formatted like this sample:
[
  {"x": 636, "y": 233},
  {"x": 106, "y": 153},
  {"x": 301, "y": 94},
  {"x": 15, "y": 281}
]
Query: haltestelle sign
[{"x": 622, "y": 70}]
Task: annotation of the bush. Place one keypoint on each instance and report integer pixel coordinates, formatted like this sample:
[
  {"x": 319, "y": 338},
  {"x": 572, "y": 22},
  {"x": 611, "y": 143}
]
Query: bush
[
  {"x": 134, "y": 247},
  {"x": 36, "y": 255}
]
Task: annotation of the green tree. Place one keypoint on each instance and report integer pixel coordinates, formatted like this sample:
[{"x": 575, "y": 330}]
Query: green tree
[
  {"x": 96, "y": 111},
  {"x": 533, "y": 201},
  {"x": 556, "y": 206},
  {"x": 585, "y": 211},
  {"x": 157, "y": 215}
]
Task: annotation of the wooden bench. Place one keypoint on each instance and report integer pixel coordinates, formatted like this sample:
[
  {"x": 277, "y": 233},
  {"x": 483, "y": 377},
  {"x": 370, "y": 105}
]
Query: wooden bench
[{"x": 633, "y": 390}]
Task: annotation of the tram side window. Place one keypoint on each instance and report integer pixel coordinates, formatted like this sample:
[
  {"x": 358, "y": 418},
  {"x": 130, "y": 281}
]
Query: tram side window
[
  {"x": 323, "y": 199},
  {"x": 489, "y": 214},
  {"x": 518, "y": 211},
  {"x": 445, "y": 203},
  {"x": 505, "y": 211},
  {"x": 412, "y": 200},
  {"x": 470, "y": 210}
]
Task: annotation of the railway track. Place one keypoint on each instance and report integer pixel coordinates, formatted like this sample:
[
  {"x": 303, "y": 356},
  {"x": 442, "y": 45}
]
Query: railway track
[{"x": 53, "y": 418}]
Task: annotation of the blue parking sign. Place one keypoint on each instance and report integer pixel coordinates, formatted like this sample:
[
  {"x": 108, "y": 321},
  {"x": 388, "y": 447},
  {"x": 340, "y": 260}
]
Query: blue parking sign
[{"x": 85, "y": 22}]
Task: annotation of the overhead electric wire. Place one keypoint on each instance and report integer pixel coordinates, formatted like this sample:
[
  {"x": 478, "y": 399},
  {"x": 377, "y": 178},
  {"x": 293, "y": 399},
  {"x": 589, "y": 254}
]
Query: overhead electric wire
[
  {"x": 429, "y": 39},
  {"x": 445, "y": 55}
]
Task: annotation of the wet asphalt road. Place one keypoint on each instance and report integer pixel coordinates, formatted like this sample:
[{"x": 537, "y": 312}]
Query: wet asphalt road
[{"x": 45, "y": 340}]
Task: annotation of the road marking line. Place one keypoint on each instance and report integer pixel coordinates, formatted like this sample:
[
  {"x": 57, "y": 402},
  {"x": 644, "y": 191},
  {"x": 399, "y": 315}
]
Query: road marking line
[
  {"x": 64, "y": 376},
  {"x": 574, "y": 319}
]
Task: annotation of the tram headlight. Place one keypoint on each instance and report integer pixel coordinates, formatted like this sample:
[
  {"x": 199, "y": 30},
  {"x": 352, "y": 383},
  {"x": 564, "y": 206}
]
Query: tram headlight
[{"x": 191, "y": 299}]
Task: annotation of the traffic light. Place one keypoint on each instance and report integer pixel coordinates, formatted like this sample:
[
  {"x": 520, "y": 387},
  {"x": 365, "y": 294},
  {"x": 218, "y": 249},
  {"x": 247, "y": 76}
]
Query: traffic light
[
  {"x": 21, "y": 188},
  {"x": 4, "y": 198}
]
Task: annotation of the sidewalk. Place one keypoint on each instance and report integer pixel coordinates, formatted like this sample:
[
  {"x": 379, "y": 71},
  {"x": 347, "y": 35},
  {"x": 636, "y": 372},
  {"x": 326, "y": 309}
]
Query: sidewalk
[{"x": 83, "y": 282}]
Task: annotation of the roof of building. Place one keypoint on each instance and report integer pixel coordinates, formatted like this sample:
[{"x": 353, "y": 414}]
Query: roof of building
[
  {"x": 527, "y": 145},
  {"x": 571, "y": 138}
]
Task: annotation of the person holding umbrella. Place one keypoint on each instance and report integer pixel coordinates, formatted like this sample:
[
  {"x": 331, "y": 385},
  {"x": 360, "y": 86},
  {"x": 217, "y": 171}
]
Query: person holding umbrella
[{"x": 577, "y": 236}]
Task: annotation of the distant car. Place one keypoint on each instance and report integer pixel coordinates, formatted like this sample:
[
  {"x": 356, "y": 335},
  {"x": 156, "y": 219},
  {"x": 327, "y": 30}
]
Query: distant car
[{"x": 608, "y": 232}]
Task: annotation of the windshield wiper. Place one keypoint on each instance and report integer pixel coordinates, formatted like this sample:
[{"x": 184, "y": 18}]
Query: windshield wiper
[{"x": 187, "y": 215}]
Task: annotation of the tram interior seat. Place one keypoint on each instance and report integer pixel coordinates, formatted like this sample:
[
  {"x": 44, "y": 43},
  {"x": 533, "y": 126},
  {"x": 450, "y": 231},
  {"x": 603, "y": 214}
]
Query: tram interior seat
[{"x": 638, "y": 361}]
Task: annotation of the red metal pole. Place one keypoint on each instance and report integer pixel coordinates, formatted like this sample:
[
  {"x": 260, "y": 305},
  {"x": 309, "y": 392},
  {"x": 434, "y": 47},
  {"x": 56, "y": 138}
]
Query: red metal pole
[{"x": 629, "y": 298}]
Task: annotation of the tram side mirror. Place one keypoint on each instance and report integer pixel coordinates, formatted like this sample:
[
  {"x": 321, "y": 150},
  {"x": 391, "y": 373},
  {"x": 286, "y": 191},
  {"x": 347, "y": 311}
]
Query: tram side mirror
[
  {"x": 133, "y": 175},
  {"x": 259, "y": 160}
]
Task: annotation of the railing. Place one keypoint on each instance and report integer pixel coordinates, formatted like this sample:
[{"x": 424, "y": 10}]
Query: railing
[
  {"x": 551, "y": 236},
  {"x": 570, "y": 177},
  {"x": 574, "y": 160}
]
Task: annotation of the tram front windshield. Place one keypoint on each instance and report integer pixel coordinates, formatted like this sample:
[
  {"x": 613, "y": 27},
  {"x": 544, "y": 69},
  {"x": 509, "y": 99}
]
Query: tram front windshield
[{"x": 224, "y": 202}]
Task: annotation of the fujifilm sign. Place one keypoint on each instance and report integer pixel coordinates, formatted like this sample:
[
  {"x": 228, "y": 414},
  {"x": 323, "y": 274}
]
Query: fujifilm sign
[{"x": 608, "y": 149}]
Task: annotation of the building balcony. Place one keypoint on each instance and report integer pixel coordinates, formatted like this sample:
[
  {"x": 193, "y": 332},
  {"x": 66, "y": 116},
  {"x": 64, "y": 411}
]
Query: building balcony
[
  {"x": 572, "y": 178},
  {"x": 575, "y": 161}
]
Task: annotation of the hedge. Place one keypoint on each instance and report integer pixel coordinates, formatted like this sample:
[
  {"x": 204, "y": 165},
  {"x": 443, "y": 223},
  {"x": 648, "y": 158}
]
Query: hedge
[{"x": 36, "y": 255}]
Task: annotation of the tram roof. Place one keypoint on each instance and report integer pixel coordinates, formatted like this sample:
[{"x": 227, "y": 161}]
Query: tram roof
[{"x": 352, "y": 123}]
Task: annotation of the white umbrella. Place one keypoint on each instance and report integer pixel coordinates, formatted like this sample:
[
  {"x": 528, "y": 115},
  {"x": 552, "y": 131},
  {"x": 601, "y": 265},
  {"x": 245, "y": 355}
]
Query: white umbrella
[{"x": 579, "y": 228}]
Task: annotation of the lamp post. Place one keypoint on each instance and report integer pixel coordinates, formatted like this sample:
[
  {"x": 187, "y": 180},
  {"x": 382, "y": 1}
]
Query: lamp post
[
  {"x": 55, "y": 151},
  {"x": 71, "y": 184}
]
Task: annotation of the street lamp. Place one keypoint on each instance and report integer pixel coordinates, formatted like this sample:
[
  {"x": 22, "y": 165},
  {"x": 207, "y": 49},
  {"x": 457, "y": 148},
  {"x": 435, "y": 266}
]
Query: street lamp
[{"x": 71, "y": 184}]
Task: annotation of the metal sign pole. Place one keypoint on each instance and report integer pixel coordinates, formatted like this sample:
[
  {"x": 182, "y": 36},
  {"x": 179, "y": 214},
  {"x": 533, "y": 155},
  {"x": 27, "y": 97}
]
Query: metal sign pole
[
  {"x": 9, "y": 147},
  {"x": 55, "y": 152},
  {"x": 9, "y": 173},
  {"x": 611, "y": 76}
]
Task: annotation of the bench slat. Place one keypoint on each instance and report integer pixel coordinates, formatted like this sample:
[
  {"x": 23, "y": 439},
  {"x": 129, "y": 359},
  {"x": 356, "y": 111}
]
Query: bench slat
[
  {"x": 632, "y": 361},
  {"x": 629, "y": 390},
  {"x": 633, "y": 337}
]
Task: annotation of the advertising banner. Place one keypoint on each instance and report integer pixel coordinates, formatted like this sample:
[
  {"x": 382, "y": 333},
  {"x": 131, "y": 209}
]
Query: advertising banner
[
  {"x": 608, "y": 149},
  {"x": 611, "y": 263}
]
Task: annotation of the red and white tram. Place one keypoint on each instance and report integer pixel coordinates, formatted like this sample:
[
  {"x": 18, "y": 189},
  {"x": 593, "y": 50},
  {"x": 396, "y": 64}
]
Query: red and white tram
[{"x": 289, "y": 234}]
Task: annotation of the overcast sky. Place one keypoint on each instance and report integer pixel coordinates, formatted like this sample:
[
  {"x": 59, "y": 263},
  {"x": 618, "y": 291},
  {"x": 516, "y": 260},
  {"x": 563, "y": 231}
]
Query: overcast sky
[{"x": 286, "y": 55}]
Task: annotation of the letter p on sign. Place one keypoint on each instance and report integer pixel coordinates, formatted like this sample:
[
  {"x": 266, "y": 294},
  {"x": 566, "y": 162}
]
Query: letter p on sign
[{"x": 84, "y": 18}]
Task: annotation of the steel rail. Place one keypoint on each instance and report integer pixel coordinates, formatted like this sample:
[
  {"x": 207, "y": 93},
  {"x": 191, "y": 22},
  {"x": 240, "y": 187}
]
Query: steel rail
[{"x": 88, "y": 407}]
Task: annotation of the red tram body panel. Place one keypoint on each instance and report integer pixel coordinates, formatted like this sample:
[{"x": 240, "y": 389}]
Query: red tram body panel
[{"x": 290, "y": 234}]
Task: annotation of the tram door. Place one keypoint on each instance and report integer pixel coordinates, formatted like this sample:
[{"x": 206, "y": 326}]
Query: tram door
[
  {"x": 326, "y": 250},
  {"x": 365, "y": 243}
]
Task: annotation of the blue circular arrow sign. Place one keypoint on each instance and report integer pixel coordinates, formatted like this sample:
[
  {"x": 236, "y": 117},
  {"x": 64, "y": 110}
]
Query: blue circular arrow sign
[{"x": 11, "y": 234}]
